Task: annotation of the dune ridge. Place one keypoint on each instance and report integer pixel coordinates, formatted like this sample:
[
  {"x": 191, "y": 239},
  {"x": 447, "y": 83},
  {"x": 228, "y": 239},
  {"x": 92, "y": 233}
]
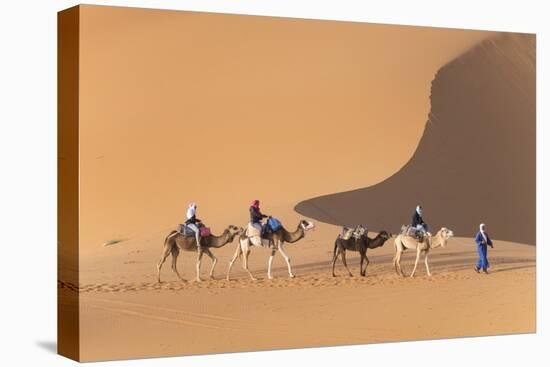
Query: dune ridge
[{"x": 475, "y": 161}]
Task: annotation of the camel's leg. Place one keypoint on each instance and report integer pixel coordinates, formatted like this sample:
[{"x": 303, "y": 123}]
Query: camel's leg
[
  {"x": 397, "y": 258},
  {"x": 395, "y": 262},
  {"x": 361, "y": 265},
  {"x": 235, "y": 256},
  {"x": 416, "y": 261},
  {"x": 269, "y": 262},
  {"x": 426, "y": 262},
  {"x": 345, "y": 263},
  {"x": 336, "y": 254},
  {"x": 175, "y": 253},
  {"x": 366, "y": 265},
  {"x": 398, "y": 263},
  {"x": 165, "y": 252},
  {"x": 199, "y": 258},
  {"x": 287, "y": 259},
  {"x": 214, "y": 261},
  {"x": 245, "y": 263}
]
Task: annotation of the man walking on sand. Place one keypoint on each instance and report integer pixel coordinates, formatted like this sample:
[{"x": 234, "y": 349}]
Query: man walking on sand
[{"x": 482, "y": 240}]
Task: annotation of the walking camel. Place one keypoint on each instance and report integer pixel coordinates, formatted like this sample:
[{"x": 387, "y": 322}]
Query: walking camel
[
  {"x": 403, "y": 242},
  {"x": 357, "y": 242},
  {"x": 275, "y": 240},
  {"x": 175, "y": 242}
]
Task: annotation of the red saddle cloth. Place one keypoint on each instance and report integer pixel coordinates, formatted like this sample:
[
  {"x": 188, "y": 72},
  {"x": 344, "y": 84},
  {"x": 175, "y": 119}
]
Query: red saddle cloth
[{"x": 205, "y": 231}]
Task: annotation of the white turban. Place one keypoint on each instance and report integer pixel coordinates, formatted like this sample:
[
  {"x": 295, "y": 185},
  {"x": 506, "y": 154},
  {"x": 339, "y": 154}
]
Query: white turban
[
  {"x": 191, "y": 210},
  {"x": 482, "y": 230}
]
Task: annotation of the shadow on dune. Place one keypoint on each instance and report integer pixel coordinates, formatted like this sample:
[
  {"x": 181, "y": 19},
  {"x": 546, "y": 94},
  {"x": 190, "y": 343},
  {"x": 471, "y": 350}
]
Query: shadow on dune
[
  {"x": 448, "y": 265},
  {"x": 454, "y": 263},
  {"x": 476, "y": 159}
]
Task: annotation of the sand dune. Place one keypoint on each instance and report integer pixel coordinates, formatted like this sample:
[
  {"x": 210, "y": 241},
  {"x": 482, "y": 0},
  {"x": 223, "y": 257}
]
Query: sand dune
[
  {"x": 224, "y": 109},
  {"x": 476, "y": 159}
]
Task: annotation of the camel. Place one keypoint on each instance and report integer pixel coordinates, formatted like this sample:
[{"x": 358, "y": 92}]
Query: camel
[
  {"x": 175, "y": 242},
  {"x": 275, "y": 241},
  {"x": 403, "y": 242},
  {"x": 359, "y": 241}
]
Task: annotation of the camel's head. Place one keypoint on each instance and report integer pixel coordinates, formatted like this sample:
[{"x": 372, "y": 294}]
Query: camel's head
[
  {"x": 306, "y": 225},
  {"x": 385, "y": 235},
  {"x": 445, "y": 234},
  {"x": 234, "y": 230}
]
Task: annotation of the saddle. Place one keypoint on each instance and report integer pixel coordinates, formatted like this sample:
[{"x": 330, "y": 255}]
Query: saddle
[
  {"x": 410, "y": 231},
  {"x": 186, "y": 231},
  {"x": 273, "y": 224},
  {"x": 346, "y": 233},
  {"x": 356, "y": 232},
  {"x": 252, "y": 231}
]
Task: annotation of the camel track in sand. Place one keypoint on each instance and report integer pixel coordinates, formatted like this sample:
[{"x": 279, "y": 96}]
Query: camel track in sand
[{"x": 378, "y": 275}]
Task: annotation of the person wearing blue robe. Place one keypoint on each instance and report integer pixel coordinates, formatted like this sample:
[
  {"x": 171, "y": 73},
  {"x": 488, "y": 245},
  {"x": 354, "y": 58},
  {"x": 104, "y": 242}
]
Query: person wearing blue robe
[{"x": 482, "y": 240}]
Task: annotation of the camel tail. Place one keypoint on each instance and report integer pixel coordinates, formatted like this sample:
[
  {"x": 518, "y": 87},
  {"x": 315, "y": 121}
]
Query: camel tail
[{"x": 335, "y": 246}]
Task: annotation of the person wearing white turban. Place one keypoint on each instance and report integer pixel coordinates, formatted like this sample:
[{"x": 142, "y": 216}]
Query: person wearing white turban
[
  {"x": 192, "y": 222},
  {"x": 482, "y": 240},
  {"x": 418, "y": 221}
]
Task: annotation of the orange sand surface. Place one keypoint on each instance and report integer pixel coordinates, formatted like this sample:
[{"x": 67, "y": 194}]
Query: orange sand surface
[{"x": 125, "y": 313}]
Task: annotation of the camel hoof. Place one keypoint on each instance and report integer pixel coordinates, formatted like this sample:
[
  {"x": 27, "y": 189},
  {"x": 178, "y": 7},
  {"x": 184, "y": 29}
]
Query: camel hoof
[{"x": 292, "y": 276}]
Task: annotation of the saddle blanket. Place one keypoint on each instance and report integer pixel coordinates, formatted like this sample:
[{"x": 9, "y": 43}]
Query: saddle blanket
[
  {"x": 274, "y": 224},
  {"x": 185, "y": 230},
  {"x": 346, "y": 233},
  {"x": 412, "y": 232},
  {"x": 252, "y": 230}
]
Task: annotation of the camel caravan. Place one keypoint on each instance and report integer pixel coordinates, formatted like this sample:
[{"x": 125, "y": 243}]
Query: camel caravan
[{"x": 194, "y": 236}]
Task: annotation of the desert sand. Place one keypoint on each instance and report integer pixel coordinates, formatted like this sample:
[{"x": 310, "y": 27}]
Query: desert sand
[
  {"x": 125, "y": 313},
  {"x": 178, "y": 107}
]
